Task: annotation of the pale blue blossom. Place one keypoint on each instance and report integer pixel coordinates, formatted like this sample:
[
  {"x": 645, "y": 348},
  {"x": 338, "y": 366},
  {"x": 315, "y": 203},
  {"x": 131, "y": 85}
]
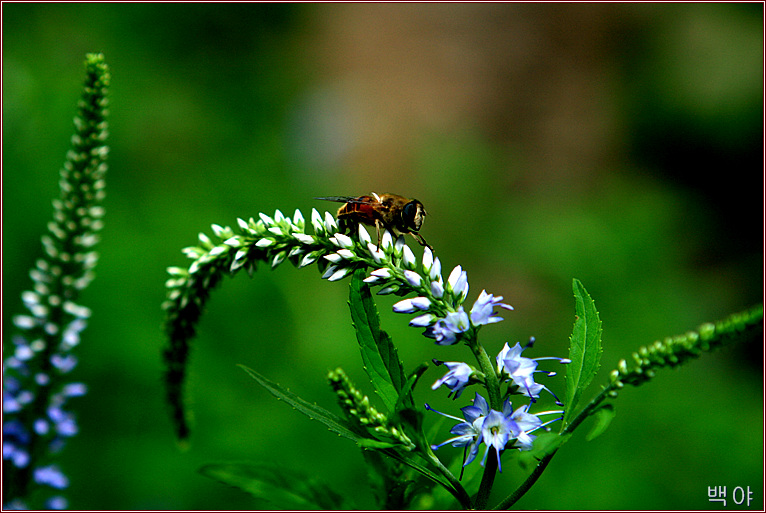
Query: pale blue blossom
[
  {"x": 483, "y": 309},
  {"x": 447, "y": 330},
  {"x": 456, "y": 379},
  {"x": 521, "y": 370}
]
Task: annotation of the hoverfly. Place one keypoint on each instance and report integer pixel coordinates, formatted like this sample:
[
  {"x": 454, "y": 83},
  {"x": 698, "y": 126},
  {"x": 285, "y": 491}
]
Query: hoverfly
[{"x": 387, "y": 210}]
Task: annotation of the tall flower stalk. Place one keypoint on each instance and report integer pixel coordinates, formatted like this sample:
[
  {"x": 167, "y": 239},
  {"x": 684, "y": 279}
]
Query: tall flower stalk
[{"x": 36, "y": 373}]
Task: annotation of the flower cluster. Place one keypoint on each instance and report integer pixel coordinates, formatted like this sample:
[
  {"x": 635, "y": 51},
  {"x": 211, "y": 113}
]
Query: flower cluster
[
  {"x": 519, "y": 371},
  {"x": 512, "y": 368},
  {"x": 495, "y": 429},
  {"x": 438, "y": 303},
  {"x": 498, "y": 429},
  {"x": 35, "y": 388}
]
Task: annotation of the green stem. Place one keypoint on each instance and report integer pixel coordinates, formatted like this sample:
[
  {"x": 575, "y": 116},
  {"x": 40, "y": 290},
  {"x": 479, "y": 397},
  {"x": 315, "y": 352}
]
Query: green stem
[
  {"x": 457, "y": 489},
  {"x": 495, "y": 402},
  {"x": 488, "y": 369},
  {"x": 568, "y": 429},
  {"x": 733, "y": 328},
  {"x": 487, "y": 480}
]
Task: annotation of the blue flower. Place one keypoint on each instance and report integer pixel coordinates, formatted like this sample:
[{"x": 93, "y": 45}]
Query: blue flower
[
  {"x": 495, "y": 429},
  {"x": 521, "y": 370},
  {"x": 524, "y": 423},
  {"x": 468, "y": 431},
  {"x": 483, "y": 309},
  {"x": 456, "y": 379},
  {"x": 34, "y": 390},
  {"x": 57, "y": 502},
  {"x": 499, "y": 429},
  {"x": 447, "y": 330},
  {"x": 412, "y": 305},
  {"x": 52, "y": 476},
  {"x": 15, "y": 505}
]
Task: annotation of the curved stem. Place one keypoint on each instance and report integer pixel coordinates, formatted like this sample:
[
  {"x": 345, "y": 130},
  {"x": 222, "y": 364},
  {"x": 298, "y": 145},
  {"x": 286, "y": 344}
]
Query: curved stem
[
  {"x": 568, "y": 429},
  {"x": 457, "y": 489}
]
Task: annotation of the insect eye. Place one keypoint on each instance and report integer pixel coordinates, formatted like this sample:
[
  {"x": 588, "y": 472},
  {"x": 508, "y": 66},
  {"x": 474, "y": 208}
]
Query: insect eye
[{"x": 411, "y": 216}]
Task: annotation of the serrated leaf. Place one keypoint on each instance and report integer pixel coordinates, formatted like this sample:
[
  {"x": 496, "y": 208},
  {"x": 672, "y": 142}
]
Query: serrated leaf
[
  {"x": 311, "y": 410},
  {"x": 604, "y": 416},
  {"x": 279, "y": 487},
  {"x": 584, "y": 349},
  {"x": 373, "y": 443},
  {"x": 380, "y": 358}
]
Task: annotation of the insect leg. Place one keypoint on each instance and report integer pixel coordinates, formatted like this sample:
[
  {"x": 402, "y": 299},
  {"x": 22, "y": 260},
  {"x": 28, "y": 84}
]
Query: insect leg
[
  {"x": 377, "y": 229},
  {"x": 421, "y": 240}
]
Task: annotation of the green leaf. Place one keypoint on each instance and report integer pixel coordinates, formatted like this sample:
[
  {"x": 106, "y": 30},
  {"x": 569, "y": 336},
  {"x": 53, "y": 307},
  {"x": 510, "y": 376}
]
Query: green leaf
[
  {"x": 373, "y": 443},
  {"x": 279, "y": 487},
  {"x": 311, "y": 410},
  {"x": 604, "y": 416},
  {"x": 584, "y": 349},
  {"x": 405, "y": 395},
  {"x": 381, "y": 361}
]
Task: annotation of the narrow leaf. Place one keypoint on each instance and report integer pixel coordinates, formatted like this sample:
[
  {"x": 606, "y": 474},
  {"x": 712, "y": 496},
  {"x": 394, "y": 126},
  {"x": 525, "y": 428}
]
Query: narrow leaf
[
  {"x": 279, "y": 487},
  {"x": 405, "y": 398},
  {"x": 311, "y": 410},
  {"x": 584, "y": 349},
  {"x": 372, "y": 443},
  {"x": 380, "y": 358}
]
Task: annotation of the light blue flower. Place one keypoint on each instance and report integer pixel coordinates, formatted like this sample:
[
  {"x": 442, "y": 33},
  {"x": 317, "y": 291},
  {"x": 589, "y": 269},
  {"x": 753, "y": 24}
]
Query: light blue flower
[
  {"x": 524, "y": 423},
  {"x": 447, "y": 330},
  {"x": 421, "y": 321},
  {"x": 57, "y": 502},
  {"x": 521, "y": 370},
  {"x": 468, "y": 431},
  {"x": 499, "y": 429},
  {"x": 496, "y": 430},
  {"x": 483, "y": 309},
  {"x": 456, "y": 379},
  {"x": 412, "y": 305},
  {"x": 52, "y": 476}
]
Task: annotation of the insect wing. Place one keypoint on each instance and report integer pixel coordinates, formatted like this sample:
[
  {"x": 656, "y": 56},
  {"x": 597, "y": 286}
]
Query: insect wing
[
  {"x": 339, "y": 199},
  {"x": 360, "y": 200}
]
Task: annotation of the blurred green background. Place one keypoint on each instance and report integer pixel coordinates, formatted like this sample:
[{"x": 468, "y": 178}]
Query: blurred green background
[{"x": 619, "y": 144}]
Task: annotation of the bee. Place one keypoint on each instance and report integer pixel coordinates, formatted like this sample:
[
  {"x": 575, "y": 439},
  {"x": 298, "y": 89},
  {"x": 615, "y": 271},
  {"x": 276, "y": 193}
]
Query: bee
[{"x": 388, "y": 211}]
